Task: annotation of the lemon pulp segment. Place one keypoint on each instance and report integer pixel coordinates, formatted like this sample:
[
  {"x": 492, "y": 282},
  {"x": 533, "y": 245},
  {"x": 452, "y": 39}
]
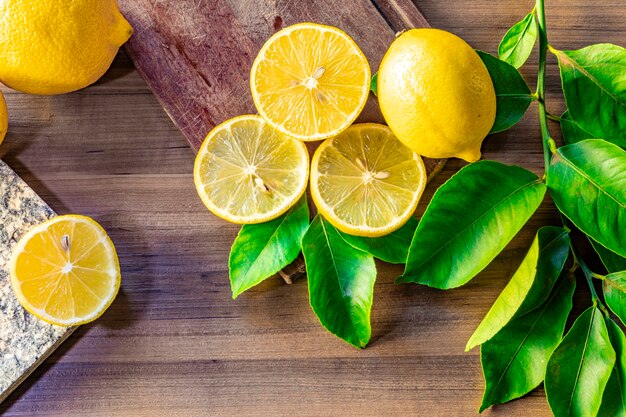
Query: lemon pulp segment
[
  {"x": 310, "y": 81},
  {"x": 365, "y": 181},
  {"x": 65, "y": 271},
  {"x": 248, "y": 172}
]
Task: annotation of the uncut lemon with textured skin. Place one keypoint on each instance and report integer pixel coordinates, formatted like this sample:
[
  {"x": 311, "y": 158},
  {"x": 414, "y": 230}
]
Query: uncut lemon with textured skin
[
  {"x": 65, "y": 271},
  {"x": 436, "y": 94},
  {"x": 248, "y": 172},
  {"x": 310, "y": 81},
  {"x": 4, "y": 118},
  {"x": 365, "y": 181},
  {"x": 58, "y": 46}
]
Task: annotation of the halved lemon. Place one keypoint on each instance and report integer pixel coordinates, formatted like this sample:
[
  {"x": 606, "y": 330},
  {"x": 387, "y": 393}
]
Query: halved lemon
[
  {"x": 65, "y": 271},
  {"x": 365, "y": 181},
  {"x": 248, "y": 172},
  {"x": 310, "y": 81}
]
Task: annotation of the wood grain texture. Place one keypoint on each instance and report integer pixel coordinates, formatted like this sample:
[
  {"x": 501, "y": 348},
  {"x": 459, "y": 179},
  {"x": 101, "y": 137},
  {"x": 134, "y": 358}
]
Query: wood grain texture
[{"x": 175, "y": 344}]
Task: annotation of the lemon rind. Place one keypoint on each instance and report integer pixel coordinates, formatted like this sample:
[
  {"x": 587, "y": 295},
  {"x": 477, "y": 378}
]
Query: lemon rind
[{"x": 39, "y": 313}]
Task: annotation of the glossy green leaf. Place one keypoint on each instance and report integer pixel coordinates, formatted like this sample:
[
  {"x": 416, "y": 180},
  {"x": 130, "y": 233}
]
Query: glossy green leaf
[
  {"x": 469, "y": 220},
  {"x": 594, "y": 86},
  {"x": 392, "y": 248},
  {"x": 512, "y": 93},
  {"x": 587, "y": 181},
  {"x": 518, "y": 42},
  {"x": 261, "y": 250},
  {"x": 530, "y": 285},
  {"x": 611, "y": 260},
  {"x": 614, "y": 397},
  {"x": 341, "y": 282},
  {"x": 614, "y": 288},
  {"x": 374, "y": 84},
  {"x": 571, "y": 132},
  {"x": 514, "y": 361},
  {"x": 580, "y": 367}
]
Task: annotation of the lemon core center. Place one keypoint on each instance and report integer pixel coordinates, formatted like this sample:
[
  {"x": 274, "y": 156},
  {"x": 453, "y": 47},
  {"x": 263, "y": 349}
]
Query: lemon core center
[
  {"x": 310, "y": 83},
  {"x": 67, "y": 268}
]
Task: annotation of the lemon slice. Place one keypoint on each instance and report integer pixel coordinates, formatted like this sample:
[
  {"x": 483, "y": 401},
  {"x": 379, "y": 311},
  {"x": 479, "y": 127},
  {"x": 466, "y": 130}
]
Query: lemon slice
[
  {"x": 365, "y": 181},
  {"x": 310, "y": 81},
  {"x": 65, "y": 271},
  {"x": 248, "y": 172}
]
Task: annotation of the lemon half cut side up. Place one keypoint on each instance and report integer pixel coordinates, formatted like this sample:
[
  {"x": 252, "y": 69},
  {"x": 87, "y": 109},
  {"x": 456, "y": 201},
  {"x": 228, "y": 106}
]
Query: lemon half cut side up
[
  {"x": 65, "y": 271},
  {"x": 248, "y": 172},
  {"x": 310, "y": 81},
  {"x": 365, "y": 181}
]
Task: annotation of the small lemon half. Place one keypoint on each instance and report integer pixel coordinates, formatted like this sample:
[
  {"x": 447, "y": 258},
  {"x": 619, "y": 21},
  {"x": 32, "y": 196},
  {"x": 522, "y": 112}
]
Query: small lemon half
[
  {"x": 4, "y": 118},
  {"x": 310, "y": 81},
  {"x": 65, "y": 271},
  {"x": 365, "y": 181},
  {"x": 248, "y": 172}
]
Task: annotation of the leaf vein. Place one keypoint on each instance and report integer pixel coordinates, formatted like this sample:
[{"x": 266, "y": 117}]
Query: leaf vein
[
  {"x": 434, "y": 253},
  {"x": 582, "y": 361}
]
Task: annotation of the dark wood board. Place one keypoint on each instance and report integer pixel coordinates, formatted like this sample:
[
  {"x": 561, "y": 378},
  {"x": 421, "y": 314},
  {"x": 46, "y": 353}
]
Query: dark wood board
[
  {"x": 196, "y": 55},
  {"x": 174, "y": 343}
]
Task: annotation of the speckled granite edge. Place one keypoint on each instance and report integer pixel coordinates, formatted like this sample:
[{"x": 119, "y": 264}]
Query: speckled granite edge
[{"x": 25, "y": 341}]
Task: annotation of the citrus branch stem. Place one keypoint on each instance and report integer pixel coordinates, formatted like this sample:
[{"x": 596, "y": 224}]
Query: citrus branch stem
[
  {"x": 598, "y": 276},
  {"x": 541, "y": 79},
  {"x": 589, "y": 277},
  {"x": 553, "y": 117},
  {"x": 549, "y": 145}
]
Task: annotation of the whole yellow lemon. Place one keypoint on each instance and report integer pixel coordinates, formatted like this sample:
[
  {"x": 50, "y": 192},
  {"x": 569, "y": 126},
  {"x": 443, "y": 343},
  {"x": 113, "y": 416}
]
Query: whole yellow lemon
[
  {"x": 58, "y": 46},
  {"x": 436, "y": 94},
  {"x": 4, "y": 118}
]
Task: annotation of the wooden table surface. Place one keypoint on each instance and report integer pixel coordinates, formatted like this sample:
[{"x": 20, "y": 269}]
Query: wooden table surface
[{"x": 174, "y": 343}]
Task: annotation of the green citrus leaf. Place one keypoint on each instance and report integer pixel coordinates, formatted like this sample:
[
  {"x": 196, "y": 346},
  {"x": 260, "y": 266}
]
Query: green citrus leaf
[
  {"x": 518, "y": 42},
  {"x": 512, "y": 93},
  {"x": 571, "y": 132},
  {"x": 374, "y": 84},
  {"x": 530, "y": 285},
  {"x": 392, "y": 248},
  {"x": 514, "y": 361},
  {"x": 587, "y": 183},
  {"x": 614, "y": 397},
  {"x": 594, "y": 86},
  {"x": 580, "y": 367},
  {"x": 261, "y": 250},
  {"x": 470, "y": 219},
  {"x": 614, "y": 288},
  {"x": 341, "y": 282},
  {"x": 611, "y": 260}
]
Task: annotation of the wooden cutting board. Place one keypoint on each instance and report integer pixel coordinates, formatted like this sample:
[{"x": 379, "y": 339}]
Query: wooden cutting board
[
  {"x": 196, "y": 54},
  {"x": 25, "y": 341}
]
